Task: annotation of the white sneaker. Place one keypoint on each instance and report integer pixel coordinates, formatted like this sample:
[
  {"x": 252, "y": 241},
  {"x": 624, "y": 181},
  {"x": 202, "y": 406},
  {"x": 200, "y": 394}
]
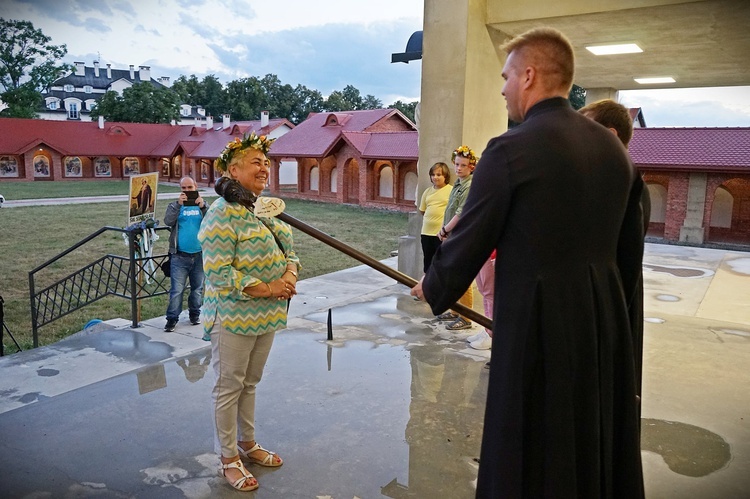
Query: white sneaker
[
  {"x": 474, "y": 337},
  {"x": 482, "y": 344}
]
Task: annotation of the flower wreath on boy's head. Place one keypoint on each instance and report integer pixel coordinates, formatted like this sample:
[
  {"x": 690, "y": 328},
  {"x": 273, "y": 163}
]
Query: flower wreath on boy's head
[
  {"x": 465, "y": 152},
  {"x": 259, "y": 142}
]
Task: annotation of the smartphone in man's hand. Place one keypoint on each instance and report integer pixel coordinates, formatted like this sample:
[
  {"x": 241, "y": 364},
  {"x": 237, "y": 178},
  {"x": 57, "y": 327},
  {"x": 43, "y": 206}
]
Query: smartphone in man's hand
[{"x": 191, "y": 197}]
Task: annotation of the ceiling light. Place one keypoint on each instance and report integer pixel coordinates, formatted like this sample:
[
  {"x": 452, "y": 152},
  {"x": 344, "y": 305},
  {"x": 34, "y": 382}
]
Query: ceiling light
[
  {"x": 655, "y": 80},
  {"x": 620, "y": 48}
]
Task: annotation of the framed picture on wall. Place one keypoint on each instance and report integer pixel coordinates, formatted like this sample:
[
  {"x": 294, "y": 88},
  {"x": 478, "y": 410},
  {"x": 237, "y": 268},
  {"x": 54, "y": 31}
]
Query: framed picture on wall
[
  {"x": 73, "y": 167},
  {"x": 177, "y": 166},
  {"x": 131, "y": 166},
  {"x": 8, "y": 166},
  {"x": 102, "y": 167},
  {"x": 204, "y": 170},
  {"x": 164, "y": 167},
  {"x": 41, "y": 166}
]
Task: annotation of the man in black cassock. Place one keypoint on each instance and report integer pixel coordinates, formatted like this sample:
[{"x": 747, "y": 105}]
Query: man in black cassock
[{"x": 558, "y": 197}]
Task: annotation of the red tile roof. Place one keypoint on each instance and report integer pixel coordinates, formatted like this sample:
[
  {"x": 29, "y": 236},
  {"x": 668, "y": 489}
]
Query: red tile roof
[
  {"x": 699, "y": 148},
  {"x": 314, "y": 139},
  {"x": 385, "y": 145},
  {"x": 18, "y": 136}
]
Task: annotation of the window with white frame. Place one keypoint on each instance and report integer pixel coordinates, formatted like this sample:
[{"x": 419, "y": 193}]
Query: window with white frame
[
  {"x": 73, "y": 111},
  {"x": 87, "y": 88},
  {"x": 52, "y": 104},
  {"x": 68, "y": 88}
]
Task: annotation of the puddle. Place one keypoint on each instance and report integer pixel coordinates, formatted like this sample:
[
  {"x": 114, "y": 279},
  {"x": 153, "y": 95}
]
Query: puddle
[
  {"x": 678, "y": 271},
  {"x": 687, "y": 450}
]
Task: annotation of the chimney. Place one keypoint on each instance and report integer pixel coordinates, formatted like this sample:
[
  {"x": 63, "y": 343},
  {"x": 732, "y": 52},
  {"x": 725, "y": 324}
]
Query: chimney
[
  {"x": 101, "y": 122},
  {"x": 80, "y": 69},
  {"x": 144, "y": 73},
  {"x": 173, "y": 122},
  {"x": 209, "y": 122},
  {"x": 263, "y": 119},
  {"x": 132, "y": 72},
  {"x": 164, "y": 80},
  {"x": 96, "y": 69},
  {"x": 225, "y": 121},
  {"x": 200, "y": 110},
  {"x": 109, "y": 71}
]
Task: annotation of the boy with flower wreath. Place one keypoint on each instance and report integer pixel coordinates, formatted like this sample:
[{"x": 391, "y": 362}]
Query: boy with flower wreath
[{"x": 464, "y": 161}]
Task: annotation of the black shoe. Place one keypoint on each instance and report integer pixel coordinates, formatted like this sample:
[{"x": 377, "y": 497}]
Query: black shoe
[
  {"x": 195, "y": 320},
  {"x": 171, "y": 323}
]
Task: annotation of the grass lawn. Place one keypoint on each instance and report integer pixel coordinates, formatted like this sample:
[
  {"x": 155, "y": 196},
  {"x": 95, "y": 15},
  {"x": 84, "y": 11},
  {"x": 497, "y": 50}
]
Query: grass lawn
[
  {"x": 44, "y": 190},
  {"x": 33, "y": 235}
]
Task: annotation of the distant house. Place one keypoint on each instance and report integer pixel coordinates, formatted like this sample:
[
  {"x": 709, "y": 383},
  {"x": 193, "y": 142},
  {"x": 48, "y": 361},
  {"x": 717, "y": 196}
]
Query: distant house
[
  {"x": 73, "y": 97},
  {"x": 367, "y": 158},
  {"x": 39, "y": 150}
]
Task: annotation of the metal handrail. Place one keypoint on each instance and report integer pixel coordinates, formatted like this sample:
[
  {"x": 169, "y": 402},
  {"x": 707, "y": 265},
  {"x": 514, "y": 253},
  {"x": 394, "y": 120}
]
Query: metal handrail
[{"x": 57, "y": 299}]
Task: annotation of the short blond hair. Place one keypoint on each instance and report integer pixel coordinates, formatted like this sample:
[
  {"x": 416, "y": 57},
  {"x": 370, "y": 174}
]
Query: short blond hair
[{"x": 549, "y": 51}]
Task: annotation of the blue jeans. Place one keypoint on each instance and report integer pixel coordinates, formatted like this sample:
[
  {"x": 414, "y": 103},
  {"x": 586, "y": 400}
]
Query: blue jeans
[{"x": 185, "y": 266}]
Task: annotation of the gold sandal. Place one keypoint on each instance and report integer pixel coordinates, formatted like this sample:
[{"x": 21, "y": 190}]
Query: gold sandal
[
  {"x": 266, "y": 461},
  {"x": 239, "y": 484}
]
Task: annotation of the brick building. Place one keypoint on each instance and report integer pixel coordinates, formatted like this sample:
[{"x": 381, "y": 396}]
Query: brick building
[
  {"x": 698, "y": 178},
  {"x": 368, "y": 158}
]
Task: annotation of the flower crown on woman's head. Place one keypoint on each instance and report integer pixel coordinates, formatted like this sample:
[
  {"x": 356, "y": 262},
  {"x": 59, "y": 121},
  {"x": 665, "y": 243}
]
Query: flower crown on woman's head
[
  {"x": 466, "y": 152},
  {"x": 261, "y": 143}
]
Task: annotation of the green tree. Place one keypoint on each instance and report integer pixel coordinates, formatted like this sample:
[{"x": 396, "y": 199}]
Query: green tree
[
  {"x": 245, "y": 98},
  {"x": 407, "y": 108},
  {"x": 141, "y": 103},
  {"x": 208, "y": 93},
  {"x": 28, "y": 64},
  {"x": 306, "y": 101}
]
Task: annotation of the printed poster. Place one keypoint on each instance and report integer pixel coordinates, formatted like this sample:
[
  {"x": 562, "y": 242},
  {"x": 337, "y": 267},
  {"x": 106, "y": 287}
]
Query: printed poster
[{"x": 142, "y": 204}]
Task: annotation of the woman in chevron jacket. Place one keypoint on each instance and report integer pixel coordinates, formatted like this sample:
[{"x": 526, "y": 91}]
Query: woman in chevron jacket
[{"x": 251, "y": 273}]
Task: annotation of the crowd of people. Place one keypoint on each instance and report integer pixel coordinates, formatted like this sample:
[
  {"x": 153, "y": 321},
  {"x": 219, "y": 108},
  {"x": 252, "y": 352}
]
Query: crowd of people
[{"x": 549, "y": 222}]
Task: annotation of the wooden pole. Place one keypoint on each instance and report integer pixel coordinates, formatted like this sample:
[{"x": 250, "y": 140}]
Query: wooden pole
[{"x": 379, "y": 266}]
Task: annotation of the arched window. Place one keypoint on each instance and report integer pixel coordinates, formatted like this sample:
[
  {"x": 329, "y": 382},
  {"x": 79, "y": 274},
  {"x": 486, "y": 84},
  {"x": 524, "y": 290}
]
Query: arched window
[
  {"x": 658, "y": 195},
  {"x": 131, "y": 166},
  {"x": 314, "y": 179},
  {"x": 385, "y": 187},
  {"x": 721, "y": 211},
  {"x": 102, "y": 167},
  {"x": 8, "y": 166},
  {"x": 334, "y": 180},
  {"x": 410, "y": 186},
  {"x": 73, "y": 167},
  {"x": 288, "y": 173}
]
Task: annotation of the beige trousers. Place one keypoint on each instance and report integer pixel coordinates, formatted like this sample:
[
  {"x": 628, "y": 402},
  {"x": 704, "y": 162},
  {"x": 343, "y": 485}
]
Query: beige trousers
[{"x": 238, "y": 361}]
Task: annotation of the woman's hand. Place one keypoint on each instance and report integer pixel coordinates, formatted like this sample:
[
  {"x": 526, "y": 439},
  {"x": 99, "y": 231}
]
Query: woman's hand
[
  {"x": 280, "y": 289},
  {"x": 283, "y": 288}
]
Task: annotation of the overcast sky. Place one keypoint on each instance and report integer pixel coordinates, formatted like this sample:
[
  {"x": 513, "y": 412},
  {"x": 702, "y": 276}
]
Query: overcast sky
[{"x": 321, "y": 44}]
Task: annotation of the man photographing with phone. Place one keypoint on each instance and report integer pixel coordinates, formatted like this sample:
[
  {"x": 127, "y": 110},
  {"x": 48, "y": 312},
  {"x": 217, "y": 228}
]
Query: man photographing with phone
[{"x": 184, "y": 217}]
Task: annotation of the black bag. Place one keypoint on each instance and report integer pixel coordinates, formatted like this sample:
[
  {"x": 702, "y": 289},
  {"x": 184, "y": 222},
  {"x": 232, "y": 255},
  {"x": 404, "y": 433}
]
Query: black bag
[{"x": 166, "y": 267}]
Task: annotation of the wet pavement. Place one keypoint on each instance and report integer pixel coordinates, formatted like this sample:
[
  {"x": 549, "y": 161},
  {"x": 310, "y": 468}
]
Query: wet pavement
[{"x": 391, "y": 407}]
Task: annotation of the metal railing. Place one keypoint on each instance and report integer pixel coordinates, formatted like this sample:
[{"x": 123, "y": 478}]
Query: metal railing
[{"x": 133, "y": 278}]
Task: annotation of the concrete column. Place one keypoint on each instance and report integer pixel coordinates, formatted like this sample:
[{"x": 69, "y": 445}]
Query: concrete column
[
  {"x": 461, "y": 100},
  {"x": 595, "y": 94},
  {"x": 410, "y": 259},
  {"x": 692, "y": 230}
]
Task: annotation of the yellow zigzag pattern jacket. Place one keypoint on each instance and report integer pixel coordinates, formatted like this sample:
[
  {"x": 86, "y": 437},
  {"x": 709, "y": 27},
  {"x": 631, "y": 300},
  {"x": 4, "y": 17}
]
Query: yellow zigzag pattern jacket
[{"x": 239, "y": 251}]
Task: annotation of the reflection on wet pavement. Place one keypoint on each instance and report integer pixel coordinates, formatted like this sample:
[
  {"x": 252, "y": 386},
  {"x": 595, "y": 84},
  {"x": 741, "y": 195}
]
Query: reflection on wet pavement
[
  {"x": 679, "y": 271},
  {"x": 686, "y": 449}
]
